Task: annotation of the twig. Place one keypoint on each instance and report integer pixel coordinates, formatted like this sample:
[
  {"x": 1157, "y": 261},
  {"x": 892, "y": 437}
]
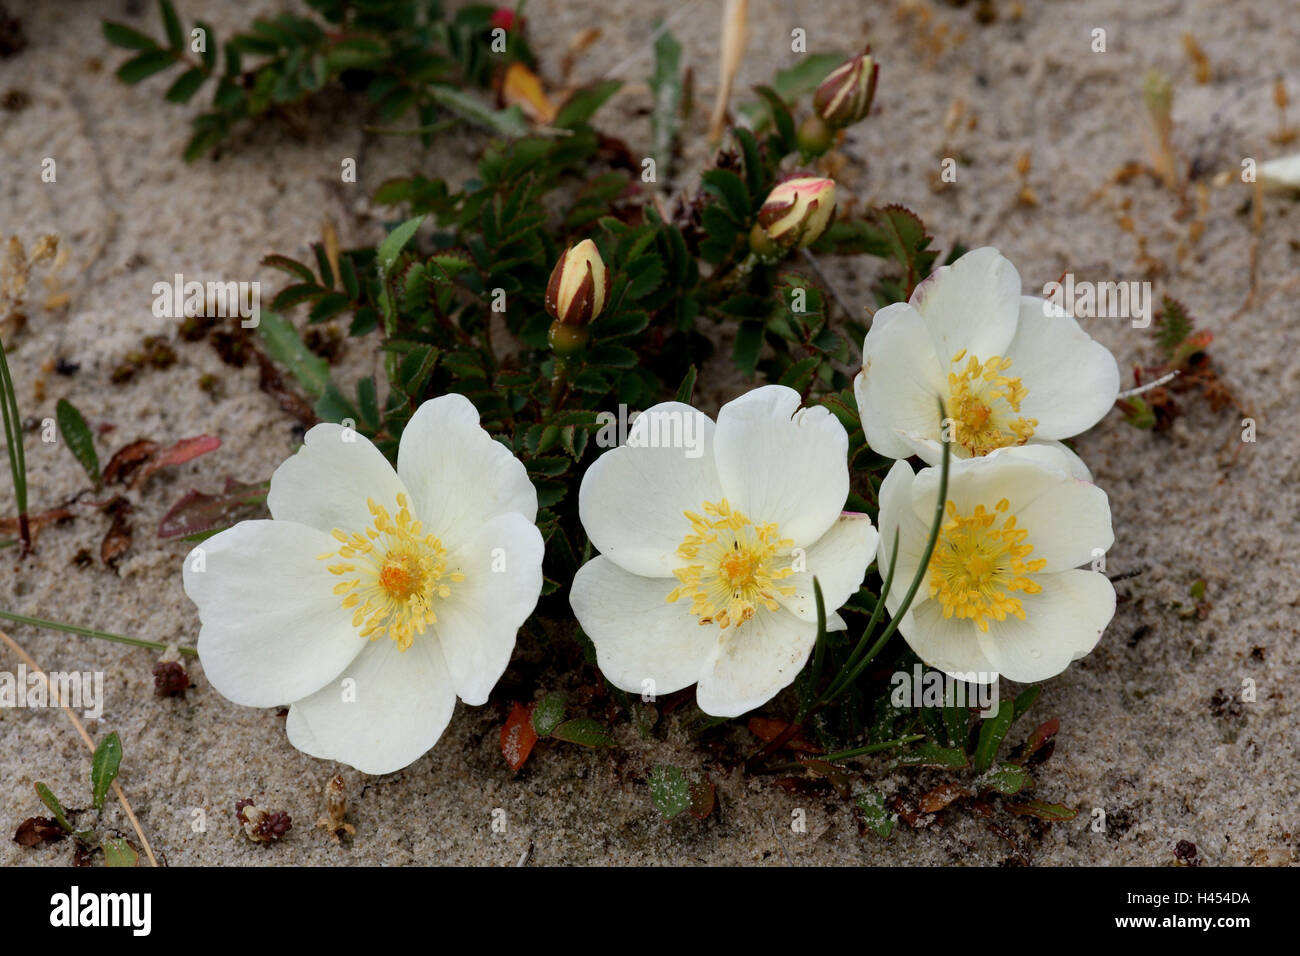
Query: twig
[{"x": 90, "y": 744}]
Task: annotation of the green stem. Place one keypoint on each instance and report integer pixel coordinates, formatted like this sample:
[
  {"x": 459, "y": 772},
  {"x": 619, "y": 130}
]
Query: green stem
[
  {"x": 17, "y": 458},
  {"x": 871, "y": 748},
  {"x": 90, "y": 632}
]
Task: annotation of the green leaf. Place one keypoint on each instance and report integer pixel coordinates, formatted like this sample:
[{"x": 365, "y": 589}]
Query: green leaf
[
  {"x": 582, "y": 105},
  {"x": 103, "y": 769},
  {"x": 284, "y": 346},
  {"x": 749, "y": 339},
  {"x": 730, "y": 189},
  {"x": 395, "y": 241},
  {"x": 799, "y": 375},
  {"x": 670, "y": 790},
  {"x": 930, "y": 754},
  {"x": 52, "y": 802},
  {"x": 666, "y": 94},
  {"x": 172, "y": 23},
  {"x": 145, "y": 65},
  {"x": 119, "y": 34},
  {"x": 209, "y": 53},
  {"x": 1006, "y": 779},
  {"x": 77, "y": 434},
  {"x": 118, "y": 852},
  {"x": 291, "y": 266},
  {"x": 1043, "y": 811},
  {"x": 584, "y": 731},
  {"x": 1024, "y": 700},
  {"x": 781, "y": 116},
  {"x": 186, "y": 85},
  {"x": 686, "y": 390},
  {"x": 548, "y": 714},
  {"x": 508, "y": 122},
  {"x": 992, "y": 730},
  {"x": 875, "y": 815}
]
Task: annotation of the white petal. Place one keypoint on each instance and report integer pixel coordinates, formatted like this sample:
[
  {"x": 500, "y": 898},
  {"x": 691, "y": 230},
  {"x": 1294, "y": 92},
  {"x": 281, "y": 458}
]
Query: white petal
[
  {"x": 948, "y": 644},
  {"x": 1073, "y": 463},
  {"x": 754, "y": 662},
  {"x": 1068, "y": 524},
  {"x": 638, "y": 635},
  {"x": 327, "y": 483},
  {"x": 901, "y": 381},
  {"x": 838, "y": 560},
  {"x": 972, "y": 304},
  {"x": 1062, "y": 623},
  {"x": 403, "y": 702},
  {"x": 477, "y": 623},
  {"x": 273, "y": 630},
  {"x": 1020, "y": 474},
  {"x": 1071, "y": 381},
  {"x": 459, "y": 476},
  {"x": 783, "y": 464},
  {"x": 898, "y": 515},
  {"x": 633, "y": 498}
]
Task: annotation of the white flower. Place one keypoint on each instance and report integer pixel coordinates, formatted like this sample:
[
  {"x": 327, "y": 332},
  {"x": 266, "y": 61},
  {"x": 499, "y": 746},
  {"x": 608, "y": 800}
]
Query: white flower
[
  {"x": 1010, "y": 370},
  {"x": 375, "y": 596},
  {"x": 1001, "y": 593},
  {"x": 710, "y": 536}
]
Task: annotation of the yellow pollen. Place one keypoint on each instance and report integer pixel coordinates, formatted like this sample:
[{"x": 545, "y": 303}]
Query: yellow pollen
[
  {"x": 984, "y": 403},
  {"x": 395, "y": 571},
  {"x": 977, "y": 563},
  {"x": 733, "y": 568}
]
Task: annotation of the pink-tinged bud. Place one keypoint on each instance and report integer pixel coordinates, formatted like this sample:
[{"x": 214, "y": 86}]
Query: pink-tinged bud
[
  {"x": 576, "y": 293},
  {"x": 845, "y": 96},
  {"x": 504, "y": 18},
  {"x": 798, "y": 211}
]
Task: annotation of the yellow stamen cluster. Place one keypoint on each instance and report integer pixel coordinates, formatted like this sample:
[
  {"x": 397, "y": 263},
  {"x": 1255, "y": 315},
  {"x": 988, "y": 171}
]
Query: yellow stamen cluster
[
  {"x": 391, "y": 571},
  {"x": 976, "y": 564},
  {"x": 981, "y": 403},
  {"x": 732, "y": 571}
]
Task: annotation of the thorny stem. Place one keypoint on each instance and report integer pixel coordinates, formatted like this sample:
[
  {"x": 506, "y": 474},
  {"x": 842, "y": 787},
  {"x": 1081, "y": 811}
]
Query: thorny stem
[
  {"x": 90, "y": 744},
  {"x": 91, "y": 632}
]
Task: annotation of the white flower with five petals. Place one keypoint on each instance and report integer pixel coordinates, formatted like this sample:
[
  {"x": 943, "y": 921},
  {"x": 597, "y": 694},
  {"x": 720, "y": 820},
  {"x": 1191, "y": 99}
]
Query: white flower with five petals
[
  {"x": 1010, "y": 369},
  {"x": 710, "y": 536},
  {"x": 374, "y": 597},
  {"x": 1002, "y": 592}
]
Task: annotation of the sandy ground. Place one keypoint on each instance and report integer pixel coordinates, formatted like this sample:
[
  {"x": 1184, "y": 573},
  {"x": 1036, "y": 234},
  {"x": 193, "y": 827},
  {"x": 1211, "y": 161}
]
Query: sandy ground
[{"x": 1142, "y": 734}]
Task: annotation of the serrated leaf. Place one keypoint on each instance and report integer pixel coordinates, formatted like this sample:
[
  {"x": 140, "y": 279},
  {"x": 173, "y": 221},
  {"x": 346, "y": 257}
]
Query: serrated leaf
[
  {"x": 73, "y": 428},
  {"x": 186, "y": 85},
  {"x": 144, "y": 65},
  {"x": 119, "y": 852},
  {"x": 103, "y": 769},
  {"x": 119, "y": 34},
  {"x": 670, "y": 790},
  {"x": 583, "y": 731},
  {"x": 874, "y": 814},
  {"x": 548, "y": 714}
]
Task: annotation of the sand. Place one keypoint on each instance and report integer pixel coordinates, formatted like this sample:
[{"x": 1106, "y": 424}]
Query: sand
[{"x": 1142, "y": 736}]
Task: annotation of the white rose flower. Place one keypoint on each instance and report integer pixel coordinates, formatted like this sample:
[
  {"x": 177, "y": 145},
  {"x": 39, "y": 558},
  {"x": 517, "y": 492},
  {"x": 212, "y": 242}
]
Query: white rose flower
[
  {"x": 1001, "y": 593},
  {"x": 710, "y": 536},
  {"x": 374, "y": 597},
  {"x": 1009, "y": 369}
]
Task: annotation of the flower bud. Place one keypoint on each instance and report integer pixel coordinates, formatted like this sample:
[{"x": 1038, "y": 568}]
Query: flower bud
[
  {"x": 576, "y": 292},
  {"x": 798, "y": 211},
  {"x": 566, "y": 340},
  {"x": 844, "y": 97}
]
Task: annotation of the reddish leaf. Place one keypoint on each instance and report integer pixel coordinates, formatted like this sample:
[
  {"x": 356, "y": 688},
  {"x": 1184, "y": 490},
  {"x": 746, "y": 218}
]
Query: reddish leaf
[
  {"x": 197, "y": 512},
  {"x": 119, "y": 535},
  {"x": 1041, "y": 735},
  {"x": 518, "y": 736},
  {"x": 942, "y": 796},
  {"x": 703, "y": 798},
  {"x": 836, "y": 775},
  {"x": 37, "y": 830},
  {"x": 127, "y": 459},
  {"x": 184, "y": 450},
  {"x": 768, "y": 730}
]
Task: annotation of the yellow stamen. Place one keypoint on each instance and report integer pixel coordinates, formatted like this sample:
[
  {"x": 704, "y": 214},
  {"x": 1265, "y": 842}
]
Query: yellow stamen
[
  {"x": 733, "y": 569},
  {"x": 982, "y": 402},
  {"x": 977, "y": 563},
  {"x": 398, "y": 568}
]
